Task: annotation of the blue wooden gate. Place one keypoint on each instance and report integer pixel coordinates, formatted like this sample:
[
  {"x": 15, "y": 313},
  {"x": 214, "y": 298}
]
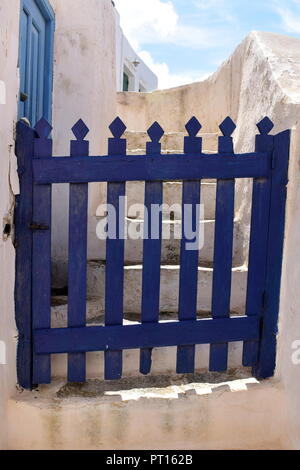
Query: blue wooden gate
[{"x": 257, "y": 328}]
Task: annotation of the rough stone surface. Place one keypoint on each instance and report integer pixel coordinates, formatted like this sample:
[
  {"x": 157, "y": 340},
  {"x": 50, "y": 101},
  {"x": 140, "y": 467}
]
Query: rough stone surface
[
  {"x": 215, "y": 413},
  {"x": 171, "y": 140},
  {"x": 171, "y": 242},
  {"x": 169, "y": 287}
]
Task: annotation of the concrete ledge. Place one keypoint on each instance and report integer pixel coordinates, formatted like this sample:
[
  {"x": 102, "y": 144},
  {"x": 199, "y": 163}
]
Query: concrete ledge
[{"x": 206, "y": 411}]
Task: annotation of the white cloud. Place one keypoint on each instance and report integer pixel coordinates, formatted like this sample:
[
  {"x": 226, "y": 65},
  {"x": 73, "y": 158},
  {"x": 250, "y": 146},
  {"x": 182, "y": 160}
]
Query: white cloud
[
  {"x": 144, "y": 20},
  {"x": 149, "y": 22},
  {"x": 214, "y": 11},
  {"x": 166, "y": 79},
  {"x": 156, "y": 21},
  {"x": 290, "y": 15}
]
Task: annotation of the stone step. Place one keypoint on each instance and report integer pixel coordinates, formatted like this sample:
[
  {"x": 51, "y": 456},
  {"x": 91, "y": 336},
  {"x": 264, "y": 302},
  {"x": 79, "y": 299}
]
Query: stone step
[
  {"x": 169, "y": 294},
  {"x": 135, "y": 192},
  {"x": 95, "y": 313},
  {"x": 170, "y": 245},
  {"x": 141, "y": 151},
  {"x": 171, "y": 140},
  {"x": 172, "y": 194}
]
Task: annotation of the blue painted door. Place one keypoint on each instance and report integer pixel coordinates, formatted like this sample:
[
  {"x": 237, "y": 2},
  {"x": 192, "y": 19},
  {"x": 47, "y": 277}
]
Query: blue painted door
[{"x": 36, "y": 45}]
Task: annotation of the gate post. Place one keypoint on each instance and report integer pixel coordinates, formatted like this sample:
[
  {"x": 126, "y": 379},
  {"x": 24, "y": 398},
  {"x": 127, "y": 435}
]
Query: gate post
[
  {"x": 279, "y": 179},
  {"x": 23, "y": 243}
]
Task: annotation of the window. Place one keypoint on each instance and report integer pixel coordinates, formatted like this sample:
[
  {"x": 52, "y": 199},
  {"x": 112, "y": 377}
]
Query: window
[{"x": 125, "y": 82}]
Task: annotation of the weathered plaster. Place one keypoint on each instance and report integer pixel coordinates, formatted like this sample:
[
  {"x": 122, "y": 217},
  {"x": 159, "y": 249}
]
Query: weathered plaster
[
  {"x": 289, "y": 326},
  {"x": 206, "y": 411},
  {"x": 84, "y": 87},
  {"x": 9, "y": 33}
]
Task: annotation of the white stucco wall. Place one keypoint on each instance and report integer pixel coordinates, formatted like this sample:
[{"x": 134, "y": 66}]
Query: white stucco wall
[
  {"x": 84, "y": 87},
  {"x": 9, "y": 33},
  {"x": 288, "y": 356}
]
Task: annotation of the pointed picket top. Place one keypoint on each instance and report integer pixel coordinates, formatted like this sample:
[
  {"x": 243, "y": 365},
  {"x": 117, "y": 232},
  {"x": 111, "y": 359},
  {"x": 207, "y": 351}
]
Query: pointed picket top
[
  {"x": 80, "y": 130},
  {"x": 155, "y": 132},
  {"x": 43, "y": 128},
  {"x": 193, "y": 127},
  {"x": 117, "y": 128},
  {"x": 265, "y": 126},
  {"x": 227, "y": 127}
]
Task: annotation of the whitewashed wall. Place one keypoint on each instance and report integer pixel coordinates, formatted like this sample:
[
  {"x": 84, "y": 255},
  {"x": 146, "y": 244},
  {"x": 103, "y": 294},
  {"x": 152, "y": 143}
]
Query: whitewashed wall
[
  {"x": 84, "y": 87},
  {"x": 9, "y": 34}
]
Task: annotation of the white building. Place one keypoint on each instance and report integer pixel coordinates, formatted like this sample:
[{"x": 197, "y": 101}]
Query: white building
[{"x": 132, "y": 73}]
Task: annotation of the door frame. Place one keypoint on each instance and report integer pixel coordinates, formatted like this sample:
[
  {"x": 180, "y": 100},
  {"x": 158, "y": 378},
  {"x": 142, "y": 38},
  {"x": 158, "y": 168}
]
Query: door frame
[{"x": 49, "y": 16}]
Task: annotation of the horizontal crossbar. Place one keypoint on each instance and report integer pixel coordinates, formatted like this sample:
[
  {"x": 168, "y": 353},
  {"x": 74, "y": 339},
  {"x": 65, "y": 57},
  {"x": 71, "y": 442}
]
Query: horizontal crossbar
[
  {"x": 114, "y": 338},
  {"x": 150, "y": 168}
]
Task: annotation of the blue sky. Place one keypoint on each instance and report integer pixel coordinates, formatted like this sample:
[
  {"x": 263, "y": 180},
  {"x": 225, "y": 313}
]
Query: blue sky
[{"x": 186, "y": 40}]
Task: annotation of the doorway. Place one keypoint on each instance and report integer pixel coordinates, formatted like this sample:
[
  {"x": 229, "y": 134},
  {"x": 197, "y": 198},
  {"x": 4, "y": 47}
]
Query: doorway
[{"x": 36, "y": 60}]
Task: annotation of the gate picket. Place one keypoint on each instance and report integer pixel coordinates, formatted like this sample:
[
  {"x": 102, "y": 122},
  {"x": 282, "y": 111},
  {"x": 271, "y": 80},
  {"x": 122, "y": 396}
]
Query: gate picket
[
  {"x": 257, "y": 264},
  {"x": 151, "y": 248},
  {"x": 114, "y": 271},
  {"x": 41, "y": 255},
  {"x": 222, "y": 274},
  {"x": 23, "y": 243},
  {"x": 189, "y": 259},
  {"x": 77, "y": 270},
  {"x": 266, "y": 363}
]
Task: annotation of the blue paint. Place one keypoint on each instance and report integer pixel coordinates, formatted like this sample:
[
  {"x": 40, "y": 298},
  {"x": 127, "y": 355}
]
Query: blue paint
[
  {"x": 160, "y": 168},
  {"x": 222, "y": 275},
  {"x": 77, "y": 268},
  {"x": 268, "y": 167},
  {"x": 23, "y": 239},
  {"x": 115, "y": 249},
  {"x": 36, "y": 60},
  {"x": 189, "y": 259},
  {"x": 41, "y": 255},
  {"x": 151, "y": 249},
  {"x": 257, "y": 264},
  {"x": 97, "y": 338},
  {"x": 267, "y": 348}
]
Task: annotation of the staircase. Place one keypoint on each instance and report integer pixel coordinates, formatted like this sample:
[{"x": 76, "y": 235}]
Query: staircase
[{"x": 170, "y": 268}]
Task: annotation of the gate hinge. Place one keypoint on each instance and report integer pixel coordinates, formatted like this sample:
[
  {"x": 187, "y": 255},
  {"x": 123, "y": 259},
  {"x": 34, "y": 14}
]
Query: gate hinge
[{"x": 35, "y": 226}]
